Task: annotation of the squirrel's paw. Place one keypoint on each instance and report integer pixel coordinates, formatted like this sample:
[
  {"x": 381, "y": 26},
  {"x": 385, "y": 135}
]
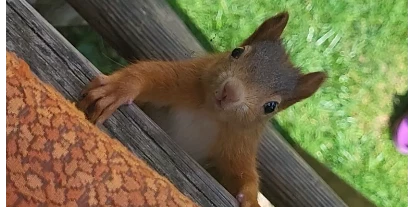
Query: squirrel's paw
[
  {"x": 106, "y": 94},
  {"x": 246, "y": 202}
]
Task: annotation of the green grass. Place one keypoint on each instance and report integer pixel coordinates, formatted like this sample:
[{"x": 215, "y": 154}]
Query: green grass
[{"x": 362, "y": 45}]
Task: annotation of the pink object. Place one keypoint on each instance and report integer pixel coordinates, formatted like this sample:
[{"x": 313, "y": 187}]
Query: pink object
[{"x": 401, "y": 135}]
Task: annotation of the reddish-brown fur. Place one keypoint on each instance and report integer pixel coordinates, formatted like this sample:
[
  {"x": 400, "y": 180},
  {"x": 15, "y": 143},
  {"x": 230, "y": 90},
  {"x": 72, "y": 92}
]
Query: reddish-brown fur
[{"x": 193, "y": 85}]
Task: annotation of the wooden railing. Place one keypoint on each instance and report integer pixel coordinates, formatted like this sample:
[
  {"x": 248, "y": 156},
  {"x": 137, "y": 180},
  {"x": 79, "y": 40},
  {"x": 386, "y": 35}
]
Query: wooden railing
[{"x": 149, "y": 29}]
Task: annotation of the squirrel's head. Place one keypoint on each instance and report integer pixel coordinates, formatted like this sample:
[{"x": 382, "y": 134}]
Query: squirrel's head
[{"x": 257, "y": 79}]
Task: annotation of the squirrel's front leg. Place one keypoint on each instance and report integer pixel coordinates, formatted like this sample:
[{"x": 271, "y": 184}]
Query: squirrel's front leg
[
  {"x": 241, "y": 180},
  {"x": 160, "y": 82},
  {"x": 236, "y": 168}
]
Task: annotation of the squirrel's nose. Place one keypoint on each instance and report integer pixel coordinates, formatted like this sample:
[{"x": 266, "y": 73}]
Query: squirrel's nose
[{"x": 228, "y": 93}]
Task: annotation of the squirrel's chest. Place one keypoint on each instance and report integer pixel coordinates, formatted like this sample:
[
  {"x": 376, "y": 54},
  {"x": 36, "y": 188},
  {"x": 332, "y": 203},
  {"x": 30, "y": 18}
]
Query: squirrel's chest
[{"x": 191, "y": 129}]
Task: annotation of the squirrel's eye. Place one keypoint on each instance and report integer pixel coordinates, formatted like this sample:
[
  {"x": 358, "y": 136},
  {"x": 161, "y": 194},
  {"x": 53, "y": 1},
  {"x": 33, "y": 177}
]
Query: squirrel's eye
[
  {"x": 237, "y": 52},
  {"x": 269, "y": 107}
]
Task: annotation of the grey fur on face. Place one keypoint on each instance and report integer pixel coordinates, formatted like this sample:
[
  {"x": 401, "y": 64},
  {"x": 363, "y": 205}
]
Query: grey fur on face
[{"x": 270, "y": 67}]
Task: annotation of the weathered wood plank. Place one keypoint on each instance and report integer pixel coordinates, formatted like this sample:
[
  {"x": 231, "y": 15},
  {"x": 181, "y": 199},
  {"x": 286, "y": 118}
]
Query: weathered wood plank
[
  {"x": 58, "y": 13},
  {"x": 287, "y": 179},
  {"x": 151, "y": 30},
  {"x": 140, "y": 29},
  {"x": 56, "y": 62},
  {"x": 345, "y": 191}
]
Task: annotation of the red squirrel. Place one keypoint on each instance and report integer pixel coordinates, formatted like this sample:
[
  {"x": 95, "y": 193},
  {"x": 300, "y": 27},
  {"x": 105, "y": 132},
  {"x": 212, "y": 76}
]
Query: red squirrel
[{"x": 215, "y": 107}]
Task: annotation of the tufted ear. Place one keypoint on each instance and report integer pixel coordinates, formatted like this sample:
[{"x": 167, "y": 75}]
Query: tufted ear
[
  {"x": 307, "y": 85},
  {"x": 270, "y": 30}
]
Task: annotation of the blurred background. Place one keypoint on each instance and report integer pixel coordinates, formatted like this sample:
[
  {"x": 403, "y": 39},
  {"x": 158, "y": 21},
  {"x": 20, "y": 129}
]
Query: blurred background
[{"x": 361, "y": 44}]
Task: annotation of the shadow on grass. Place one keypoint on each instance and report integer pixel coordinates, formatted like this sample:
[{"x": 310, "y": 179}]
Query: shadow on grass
[
  {"x": 88, "y": 42},
  {"x": 202, "y": 39},
  {"x": 400, "y": 108}
]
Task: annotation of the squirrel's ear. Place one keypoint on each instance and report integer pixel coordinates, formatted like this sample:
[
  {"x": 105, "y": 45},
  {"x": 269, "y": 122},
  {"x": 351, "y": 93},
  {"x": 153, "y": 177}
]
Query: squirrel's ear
[
  {"x": 307, "y": 85},
  {"x": 271, "y": 29}
]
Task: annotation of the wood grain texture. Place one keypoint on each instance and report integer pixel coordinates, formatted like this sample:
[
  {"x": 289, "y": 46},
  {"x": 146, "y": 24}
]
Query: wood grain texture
[
  {"x": 287, "y": 180},
  {"x": 138, "y": 30},
  {"x": 150, "y": 30},
  {"x": 345, "y": 191},
  {"x": 58, "y": 13},
  {"x": 56, "y": 62}
]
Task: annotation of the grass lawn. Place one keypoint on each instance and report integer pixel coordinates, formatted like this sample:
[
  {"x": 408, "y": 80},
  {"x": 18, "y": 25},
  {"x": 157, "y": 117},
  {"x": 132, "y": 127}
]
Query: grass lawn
[{"x": 362, "y": 45}]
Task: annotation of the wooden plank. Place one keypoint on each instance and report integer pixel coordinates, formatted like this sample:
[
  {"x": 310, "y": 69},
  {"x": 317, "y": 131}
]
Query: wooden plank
[
  {"x": 346, "y": 192},
  {"x": 56, "y": 62},
  {"x": 151, "y": 30},
  {"x": 58, "y": 13},
  {"x": 275, "y": 177}
]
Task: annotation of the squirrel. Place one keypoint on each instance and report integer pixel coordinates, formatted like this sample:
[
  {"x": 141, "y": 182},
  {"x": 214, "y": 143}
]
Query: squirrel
[{"x": 216, "y": 106}]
